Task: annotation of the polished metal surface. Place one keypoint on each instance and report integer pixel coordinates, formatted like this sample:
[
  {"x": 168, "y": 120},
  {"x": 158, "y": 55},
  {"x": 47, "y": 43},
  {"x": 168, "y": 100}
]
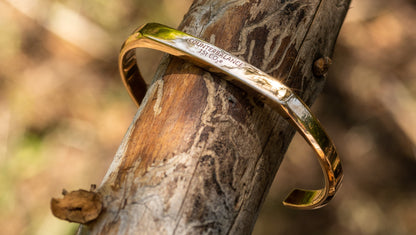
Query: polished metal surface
[{"x": 248, "y": 77}]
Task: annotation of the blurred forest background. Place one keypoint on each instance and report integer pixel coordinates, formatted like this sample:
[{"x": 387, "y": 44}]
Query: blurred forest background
[{"x": 64, "y": 111}]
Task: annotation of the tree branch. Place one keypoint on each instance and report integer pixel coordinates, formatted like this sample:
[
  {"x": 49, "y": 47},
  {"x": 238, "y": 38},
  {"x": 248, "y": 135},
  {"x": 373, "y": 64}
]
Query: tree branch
[{"x": 201, "y": 154}]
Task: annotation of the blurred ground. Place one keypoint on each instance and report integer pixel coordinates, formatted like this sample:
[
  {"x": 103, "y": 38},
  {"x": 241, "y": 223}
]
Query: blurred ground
[{"x": 64, "y": 111}]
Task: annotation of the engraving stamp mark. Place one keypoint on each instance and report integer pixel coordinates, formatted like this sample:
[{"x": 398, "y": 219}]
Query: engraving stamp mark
[{"x": 215, "y": 54}]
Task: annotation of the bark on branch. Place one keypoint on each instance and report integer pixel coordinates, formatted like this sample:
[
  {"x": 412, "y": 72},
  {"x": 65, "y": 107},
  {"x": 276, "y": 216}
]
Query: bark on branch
[{"x": 201, "y": 154}]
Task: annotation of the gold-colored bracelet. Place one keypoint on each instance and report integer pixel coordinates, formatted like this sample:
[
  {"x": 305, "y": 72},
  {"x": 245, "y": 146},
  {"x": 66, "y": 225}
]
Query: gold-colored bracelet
[{"x": 274, "y": 93}]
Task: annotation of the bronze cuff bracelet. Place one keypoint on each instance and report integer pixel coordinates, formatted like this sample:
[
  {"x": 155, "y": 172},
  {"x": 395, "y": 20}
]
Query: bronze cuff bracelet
[{"x": 248, "y": 77}]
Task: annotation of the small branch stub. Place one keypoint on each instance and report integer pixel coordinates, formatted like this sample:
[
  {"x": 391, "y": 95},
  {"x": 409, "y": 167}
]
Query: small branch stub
[
  {"x": 79, "y": 206},
  {"x": 320, "y": 66}
]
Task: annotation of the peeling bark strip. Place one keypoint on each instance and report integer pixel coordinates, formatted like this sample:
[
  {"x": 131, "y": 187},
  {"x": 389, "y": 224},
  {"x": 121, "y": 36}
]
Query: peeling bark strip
[
  {"x": 201, "y": 154},
  {"x": 79, "y": 206}
]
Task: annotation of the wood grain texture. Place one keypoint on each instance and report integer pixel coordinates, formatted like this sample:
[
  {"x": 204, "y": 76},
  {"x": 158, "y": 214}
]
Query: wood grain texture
[{"x": 201, "y": 154}]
